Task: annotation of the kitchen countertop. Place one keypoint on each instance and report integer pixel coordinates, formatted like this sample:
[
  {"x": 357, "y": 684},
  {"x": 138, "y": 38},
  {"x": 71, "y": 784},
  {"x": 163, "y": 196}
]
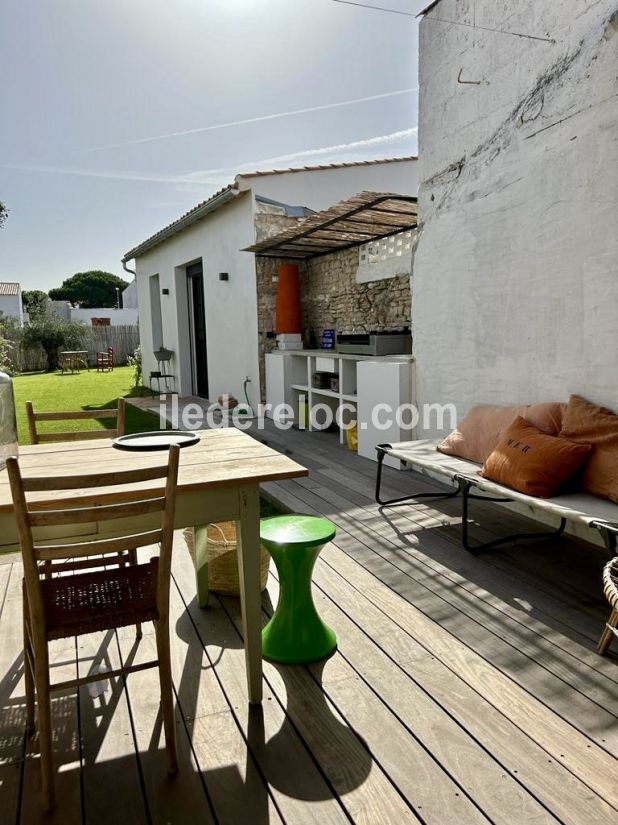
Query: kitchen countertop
[{"x": 348, "y": 356}]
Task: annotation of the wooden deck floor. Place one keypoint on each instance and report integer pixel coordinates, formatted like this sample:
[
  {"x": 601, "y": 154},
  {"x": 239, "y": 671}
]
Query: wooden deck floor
[{"x": 464, "y": 689}]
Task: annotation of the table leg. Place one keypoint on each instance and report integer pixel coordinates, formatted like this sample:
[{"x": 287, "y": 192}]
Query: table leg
[
  {"x": 200, "y": 546},
  {"x": 248, "y": 532}
]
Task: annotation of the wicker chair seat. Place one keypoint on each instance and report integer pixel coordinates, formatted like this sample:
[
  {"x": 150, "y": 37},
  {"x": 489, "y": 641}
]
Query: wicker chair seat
[
  {"x": 100, "y": 600},
  {"x": 610, "y": 582},
  {"x": 610, "y": 587}
]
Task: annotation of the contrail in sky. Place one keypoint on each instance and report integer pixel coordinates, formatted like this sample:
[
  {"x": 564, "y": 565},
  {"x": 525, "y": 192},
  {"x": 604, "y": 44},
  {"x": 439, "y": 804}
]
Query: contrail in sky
[
  {"x": 106, "y": 174},
  {"x": 259, "y": 119},
  {"x": 216, "y": 176},
  {"x": 253, "y": 165}
]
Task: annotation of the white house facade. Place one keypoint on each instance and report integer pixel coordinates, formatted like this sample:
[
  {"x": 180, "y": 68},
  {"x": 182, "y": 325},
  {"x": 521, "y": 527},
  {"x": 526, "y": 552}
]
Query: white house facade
[
  {"x": 197, "y": 293},
  {"x": 92, "y": 316},
  {"x": 514, "y": 281},
  {"x": 11, "y": 304},
  {"x": 129, "y": 296}
]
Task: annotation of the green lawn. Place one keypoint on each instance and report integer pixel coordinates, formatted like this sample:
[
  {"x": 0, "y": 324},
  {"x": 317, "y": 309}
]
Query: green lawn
[{"x": 55, "y": 391}]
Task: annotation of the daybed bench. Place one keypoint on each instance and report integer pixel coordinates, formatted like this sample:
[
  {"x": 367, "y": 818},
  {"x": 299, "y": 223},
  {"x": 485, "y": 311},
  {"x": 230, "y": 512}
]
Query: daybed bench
[{"x": 579, "y": 509}]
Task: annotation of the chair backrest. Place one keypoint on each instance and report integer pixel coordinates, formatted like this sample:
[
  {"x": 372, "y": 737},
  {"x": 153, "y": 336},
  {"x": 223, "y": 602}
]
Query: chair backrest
[
  {"x": 111, "y": 504},
  {"x": 36, "y": 437}
]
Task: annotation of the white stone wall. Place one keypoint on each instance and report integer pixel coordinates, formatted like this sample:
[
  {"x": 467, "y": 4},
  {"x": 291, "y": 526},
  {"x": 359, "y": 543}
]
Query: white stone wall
[
  {"x": 118, "y": 317},
  {"x": 129, "y": 296},
  {"x": 515, "y": 272}
]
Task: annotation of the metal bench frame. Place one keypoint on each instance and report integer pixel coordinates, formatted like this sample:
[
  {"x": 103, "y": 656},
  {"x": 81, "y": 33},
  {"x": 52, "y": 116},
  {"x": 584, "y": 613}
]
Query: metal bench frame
[{"x": 464, "y": 486}]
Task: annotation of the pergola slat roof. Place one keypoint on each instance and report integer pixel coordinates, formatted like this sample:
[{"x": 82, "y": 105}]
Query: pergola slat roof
[{"x": 366, "y": 217}]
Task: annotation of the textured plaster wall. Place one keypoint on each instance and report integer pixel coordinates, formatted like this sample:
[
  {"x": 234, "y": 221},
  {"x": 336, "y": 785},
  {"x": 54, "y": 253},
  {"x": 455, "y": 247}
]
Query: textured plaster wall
[{"x": 515, "y": 271}]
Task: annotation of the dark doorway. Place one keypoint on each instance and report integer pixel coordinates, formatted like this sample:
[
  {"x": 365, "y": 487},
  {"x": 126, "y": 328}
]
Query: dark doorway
[{"x": 197, "y": 327}]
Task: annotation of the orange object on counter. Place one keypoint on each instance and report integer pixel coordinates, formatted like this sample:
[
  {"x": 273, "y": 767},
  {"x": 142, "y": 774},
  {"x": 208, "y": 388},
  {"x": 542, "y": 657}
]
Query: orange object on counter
[{"x": 288, "y": 316}]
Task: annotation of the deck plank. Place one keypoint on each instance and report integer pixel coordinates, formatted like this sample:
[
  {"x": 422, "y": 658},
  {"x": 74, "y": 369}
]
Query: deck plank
[
  {"x": 181, "y": 798},
  {"x": 442, "y": 777},
  {"x": 547, "y": 616},
  {"x": 562, "y": 742},
  {"x": 597, "y": 676},
  {"x": 462, "y": 674},
  {"x": 479, "y": 628},
  {"x": 513, "y": 751},
  {"x": 234, "y": 785},
  {"x": 365, "y": 788},
  {"x": 110, "y": 760},
  {"x": 12, "y": 707},
  {"x": 67, "y": 753},
  {"x": 298, "y": 787}
]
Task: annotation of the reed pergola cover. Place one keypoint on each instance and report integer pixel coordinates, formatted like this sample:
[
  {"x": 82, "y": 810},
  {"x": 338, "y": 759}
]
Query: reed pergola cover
[{"x": 366, "y": 217}]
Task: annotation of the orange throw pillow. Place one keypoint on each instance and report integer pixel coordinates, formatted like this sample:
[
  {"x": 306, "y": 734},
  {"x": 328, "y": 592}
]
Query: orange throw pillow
[
  {"x": 589, "y": 423},
  {"x": 479, "y": 432},
  {"x": 534, "y": 463}
]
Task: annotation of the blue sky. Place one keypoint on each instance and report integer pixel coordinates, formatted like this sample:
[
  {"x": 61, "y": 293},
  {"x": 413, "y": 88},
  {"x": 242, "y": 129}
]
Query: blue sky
[{"x": 107, "y": 111}]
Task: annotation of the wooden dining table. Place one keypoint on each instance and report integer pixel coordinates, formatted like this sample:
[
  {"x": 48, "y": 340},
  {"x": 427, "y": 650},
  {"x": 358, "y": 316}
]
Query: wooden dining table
[{"x": 219, "y": 480}]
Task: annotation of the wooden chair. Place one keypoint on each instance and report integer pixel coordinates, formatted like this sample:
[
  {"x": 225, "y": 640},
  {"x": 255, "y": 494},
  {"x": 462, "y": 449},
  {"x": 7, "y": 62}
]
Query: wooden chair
[
  {"x": 36, "y": 437},
  {"x": 105, "y": 360},
  {"x": 81, "y": 596}
]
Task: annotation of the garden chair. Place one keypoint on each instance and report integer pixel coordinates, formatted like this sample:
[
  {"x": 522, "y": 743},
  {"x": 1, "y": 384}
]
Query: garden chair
[
  {"x": 105, "y": 360},
  {"x": 36, "y": 437},
  {"x": 81, "y": 596}
]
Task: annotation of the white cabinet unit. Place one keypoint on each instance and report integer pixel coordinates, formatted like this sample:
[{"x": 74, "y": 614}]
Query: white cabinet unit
[
  {"x": 385, "y": 393},
  {"x": 359, "y": 383}
]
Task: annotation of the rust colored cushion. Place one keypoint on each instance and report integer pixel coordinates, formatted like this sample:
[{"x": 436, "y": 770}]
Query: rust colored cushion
[
  {"x": 586, "y": 422},
  {"x": 479, "y": 432},
  {"x": 532, "y": 462},
  {"x": 547, "y": 417}
]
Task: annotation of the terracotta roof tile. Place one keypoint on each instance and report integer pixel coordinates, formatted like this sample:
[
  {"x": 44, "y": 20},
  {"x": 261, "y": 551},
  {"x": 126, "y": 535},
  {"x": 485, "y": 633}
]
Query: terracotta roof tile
[
  {"x": 194, "y": 213},
  {"x": 323, "y": 166}
]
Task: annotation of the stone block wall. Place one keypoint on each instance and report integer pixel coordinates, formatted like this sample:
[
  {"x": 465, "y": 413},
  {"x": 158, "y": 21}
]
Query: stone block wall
[{"x": 331, "y": 299}]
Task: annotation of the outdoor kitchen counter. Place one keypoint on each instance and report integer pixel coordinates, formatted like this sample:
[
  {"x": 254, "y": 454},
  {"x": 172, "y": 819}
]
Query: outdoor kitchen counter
[
  {"x": 348, "y": 356},
  {"x": 360, "y": 384}
]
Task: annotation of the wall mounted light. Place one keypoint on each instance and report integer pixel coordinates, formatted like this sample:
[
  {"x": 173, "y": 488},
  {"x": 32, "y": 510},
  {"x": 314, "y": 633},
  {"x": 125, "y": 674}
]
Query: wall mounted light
[
  {"x": 165, "y": 292},
  {"x": 224, "y": 276}
]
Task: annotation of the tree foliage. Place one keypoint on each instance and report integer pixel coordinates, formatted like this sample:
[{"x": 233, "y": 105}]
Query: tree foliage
[
  {"x": 90, "y": 289},
  {"x": 52, "y": 333},
  {"x": 35, "y": 301},
  {"x": 7, "y": 346},
  {"x": 3, "y": 213}
]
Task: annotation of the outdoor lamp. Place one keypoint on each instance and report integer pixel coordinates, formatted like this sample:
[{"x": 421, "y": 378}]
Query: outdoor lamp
[{"x": 8, "y": 421}]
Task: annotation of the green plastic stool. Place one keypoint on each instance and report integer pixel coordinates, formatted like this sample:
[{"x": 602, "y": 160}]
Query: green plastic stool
[{"x": 296, "y": 634}]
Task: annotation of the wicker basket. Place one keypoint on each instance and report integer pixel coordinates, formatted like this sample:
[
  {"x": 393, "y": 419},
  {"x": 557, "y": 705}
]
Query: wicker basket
[{"x": 222, "y": 560}]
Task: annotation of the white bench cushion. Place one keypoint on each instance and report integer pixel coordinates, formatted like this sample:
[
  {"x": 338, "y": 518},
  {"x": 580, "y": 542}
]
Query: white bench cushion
[{"x": 579, "y": 507}]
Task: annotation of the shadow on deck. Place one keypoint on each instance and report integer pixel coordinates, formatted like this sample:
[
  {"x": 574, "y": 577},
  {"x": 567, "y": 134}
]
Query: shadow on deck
[{"x": 464, "y": 689}]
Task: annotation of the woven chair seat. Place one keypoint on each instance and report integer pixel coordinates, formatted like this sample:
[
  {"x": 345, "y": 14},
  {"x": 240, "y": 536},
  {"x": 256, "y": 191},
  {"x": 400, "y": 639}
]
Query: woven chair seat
[
  {"x": 100, "y": 600},
  {"x": 610, "y": 582}
]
